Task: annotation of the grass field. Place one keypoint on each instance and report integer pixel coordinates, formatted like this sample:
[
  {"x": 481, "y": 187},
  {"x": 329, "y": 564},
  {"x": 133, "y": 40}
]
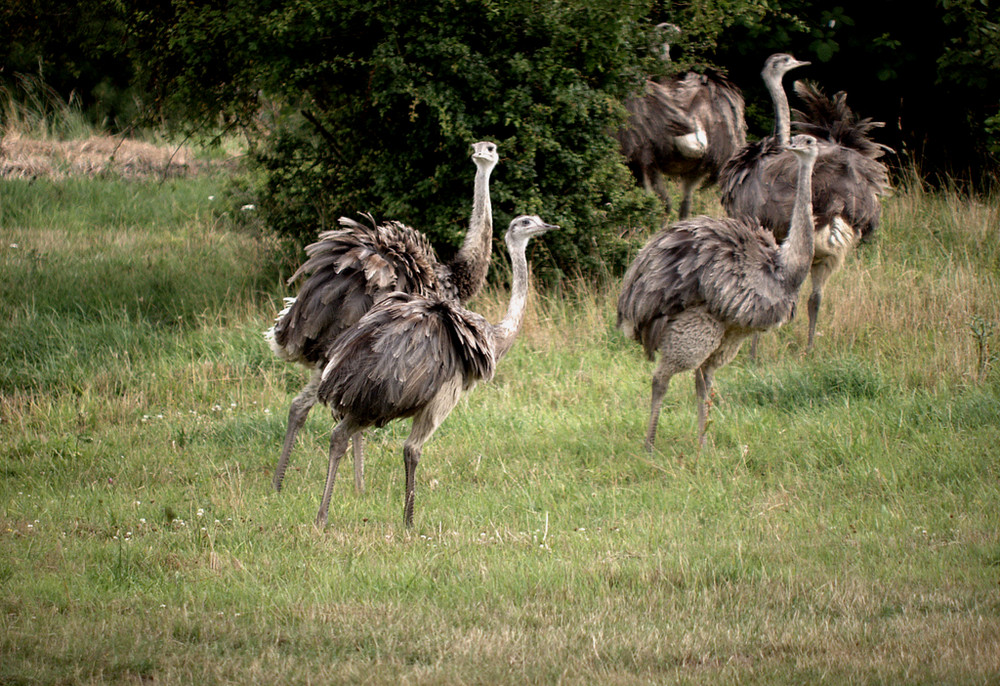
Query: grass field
[{"x": 841, "y": 526}]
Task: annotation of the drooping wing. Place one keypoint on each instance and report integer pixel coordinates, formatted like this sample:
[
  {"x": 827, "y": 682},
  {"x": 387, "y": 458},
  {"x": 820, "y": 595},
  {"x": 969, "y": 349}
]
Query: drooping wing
[
  {"x": 717, "y": 104},
  {"x": 845, "y": 184},
  {"x": 400, "y": 354},
  {"x": 347, "y": 271},
  {"x": 831, "y": 119},
  {"x": 728, "y": 266},
  {"x": 745, "y": 180},
  {"x": 654, "y": 120}
]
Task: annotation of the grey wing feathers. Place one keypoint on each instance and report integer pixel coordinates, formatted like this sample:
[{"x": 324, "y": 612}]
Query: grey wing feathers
[
  {"x": 744, "y": 182},
  {"x": 761, "y": 183},
  {"x": 718, "y": 104},
  {"x": 642, "y": 140},
  {"x": 832, "y": 120},
  {"x": 347, "y": 270},
  {"x": 397, "y": 357},
  {"x": 729, "y": 266}
]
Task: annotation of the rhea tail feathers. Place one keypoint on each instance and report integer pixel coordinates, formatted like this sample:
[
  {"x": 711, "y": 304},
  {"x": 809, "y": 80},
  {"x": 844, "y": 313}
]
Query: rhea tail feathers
[{"x": 269, "y": 336}]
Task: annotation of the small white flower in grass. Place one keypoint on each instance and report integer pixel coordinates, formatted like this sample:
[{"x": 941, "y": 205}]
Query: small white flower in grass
[
  {"x": 248, "y": 208},
  {"x": 14, "y": 245},
  {"x": 201, "y": 512},
  {"x": 211, "y": 197},
  {"x": 142, "y": 520}
]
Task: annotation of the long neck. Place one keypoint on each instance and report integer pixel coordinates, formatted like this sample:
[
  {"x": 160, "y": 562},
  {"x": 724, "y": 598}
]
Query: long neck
[
  {"x": 782, "y": 115},
  {"x": 796, "y": 253},
  {"x": 473, "y": 259},
  {"x": 505, "y": 332}
]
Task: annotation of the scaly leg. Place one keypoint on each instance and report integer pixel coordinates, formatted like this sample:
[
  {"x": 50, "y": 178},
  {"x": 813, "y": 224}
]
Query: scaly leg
[
  {"x": 688, "y": 187},
  {"x": 821, "y": 271},
  {"x": 357, "y": 442},
  {"x": 661, "y": 381},
  {"x": 297, "y": 414},
  {"x": 703, "y": 389},
  {"x": 338, "y": 444},
  {"x": 425, "y": 423}
]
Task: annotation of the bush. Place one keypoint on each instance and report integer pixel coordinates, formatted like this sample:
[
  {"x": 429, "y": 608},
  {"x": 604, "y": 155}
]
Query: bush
[{"x": 379, "y": 103}]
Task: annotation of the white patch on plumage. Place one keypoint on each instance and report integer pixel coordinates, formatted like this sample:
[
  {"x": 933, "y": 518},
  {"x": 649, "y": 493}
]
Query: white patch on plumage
[
  {"x": 269, "y": 334},
  {"x": 835, "y": 238},
  {"x": 693, "y": 144}
]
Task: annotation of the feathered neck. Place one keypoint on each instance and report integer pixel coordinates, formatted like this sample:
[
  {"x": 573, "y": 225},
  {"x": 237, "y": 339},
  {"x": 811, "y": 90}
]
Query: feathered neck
[
  {"x": 796, "y": 254},
  {"x": 782, "y": 130},
  {"x": 505, "y": 332},
  {"x": 472, "y": 261}
]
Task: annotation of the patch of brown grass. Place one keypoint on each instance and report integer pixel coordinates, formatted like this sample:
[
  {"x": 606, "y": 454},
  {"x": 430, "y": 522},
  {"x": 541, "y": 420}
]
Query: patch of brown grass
[{"x": 23, "y": 157}]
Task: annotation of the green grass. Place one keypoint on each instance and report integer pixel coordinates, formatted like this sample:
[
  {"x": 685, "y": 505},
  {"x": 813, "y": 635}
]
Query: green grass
[{"x": 840, "y": 526}]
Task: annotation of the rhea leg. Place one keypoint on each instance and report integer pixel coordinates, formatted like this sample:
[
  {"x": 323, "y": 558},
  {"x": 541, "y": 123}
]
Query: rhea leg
[
  {"x": 297, "y": 414},
  {"x": 661, "y": 381},
  {"x": 686, "y": 342},
  {"x": 357, "y": 442},
  {"x": 425, "y": 423},
  {"x": 818, "y": 276},
  {"x": 702, "y": 389},
  {"x": 338, "y": 444},
  {"x": 689, "y": 186},
  {"x": 652, "y": 181},
  {"x": 704, "y": 377}
]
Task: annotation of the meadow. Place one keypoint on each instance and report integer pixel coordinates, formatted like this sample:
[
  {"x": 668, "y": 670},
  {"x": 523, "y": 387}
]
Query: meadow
[{"x": 841, "y": 525}]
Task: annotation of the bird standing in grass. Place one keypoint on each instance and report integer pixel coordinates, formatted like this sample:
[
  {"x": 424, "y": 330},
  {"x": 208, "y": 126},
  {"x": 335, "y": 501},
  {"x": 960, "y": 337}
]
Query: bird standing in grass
[
  {"x": 414, "y": 356},
  {"x": 352, "y": 268},
  {"x": 697, "y": 289},
  {"x": 848, "y": 178}
]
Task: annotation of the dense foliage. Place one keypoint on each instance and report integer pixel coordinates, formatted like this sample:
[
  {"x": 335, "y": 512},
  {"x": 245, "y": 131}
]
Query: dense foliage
[{"x": 371, "y": 105}]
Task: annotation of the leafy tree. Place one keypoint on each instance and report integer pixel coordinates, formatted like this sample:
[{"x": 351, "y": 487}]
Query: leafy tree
[
  {"x": 74, "y": 48},
  {"x": 379, "y": 101},
  {"x": 935, "y": 88}
]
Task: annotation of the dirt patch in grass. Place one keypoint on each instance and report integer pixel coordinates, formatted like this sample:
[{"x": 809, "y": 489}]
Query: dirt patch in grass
[{"x": 97, "y": 156}]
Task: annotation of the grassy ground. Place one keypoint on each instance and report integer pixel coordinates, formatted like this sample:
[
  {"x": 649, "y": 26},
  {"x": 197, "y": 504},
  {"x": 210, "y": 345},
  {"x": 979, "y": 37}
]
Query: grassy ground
[{"x": 840, "y": 527}]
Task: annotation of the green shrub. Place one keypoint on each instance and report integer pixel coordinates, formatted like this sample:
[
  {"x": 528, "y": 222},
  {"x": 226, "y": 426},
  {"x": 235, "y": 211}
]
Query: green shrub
[{"x": 376, "y": 105}]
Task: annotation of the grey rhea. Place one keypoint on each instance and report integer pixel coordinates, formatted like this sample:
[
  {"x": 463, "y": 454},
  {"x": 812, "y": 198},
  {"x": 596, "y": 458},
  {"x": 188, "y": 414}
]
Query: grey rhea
[
  {"x": 848, "y": 179},
  {"x": 413, "y": 356},
  {"x": 349, "y": 269},
  {"x": 685, "y": 128},
  {"x": 697, "y": 289}
]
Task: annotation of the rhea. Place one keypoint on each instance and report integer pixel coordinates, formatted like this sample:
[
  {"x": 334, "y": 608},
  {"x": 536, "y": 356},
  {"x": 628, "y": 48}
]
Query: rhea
[
  {"x": 848, "y": 179},
  {"x": 686, "y": 127},
  {"x": 414, "y": 356},
  {"x": 697, "y": 289},
  {"x": 352, "y": 268}
]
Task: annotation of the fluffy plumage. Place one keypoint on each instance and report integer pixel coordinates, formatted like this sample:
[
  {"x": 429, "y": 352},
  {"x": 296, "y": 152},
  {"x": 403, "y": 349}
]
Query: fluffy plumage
[
  {"x": 350, "y": 269},
  {"x": 848, "y": 181},
  {"x": 393, "y": 361},
  {"x": 685, "y": 128},
  {"x": 414, "y": 356},
  {"x": 730, "y": 267},
  {"x": 699, "y": 287}
]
